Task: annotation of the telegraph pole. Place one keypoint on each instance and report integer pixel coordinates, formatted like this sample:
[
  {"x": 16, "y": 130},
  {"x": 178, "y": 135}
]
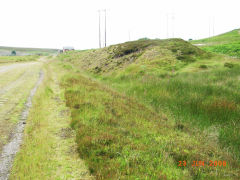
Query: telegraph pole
[
  {"x": 167, "y": 25},
  {"x": 129, "y": 35},
  {"x": 209, "y": 27},
  {"x": 173, "y": 25},
  {"x": 99, "y": 12},
  {"x": 105, "y": 27},
  {"x": 213, "y": 25}
]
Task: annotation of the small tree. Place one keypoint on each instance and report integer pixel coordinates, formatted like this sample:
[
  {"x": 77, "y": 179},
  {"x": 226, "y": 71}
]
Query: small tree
[{"x": 13, "y": 53}]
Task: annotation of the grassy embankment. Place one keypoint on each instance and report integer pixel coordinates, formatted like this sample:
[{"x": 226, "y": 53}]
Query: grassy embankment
[
  {"x": 121, "y": 129},
  {"x": 48, "y": 150},
  {"x": 227, "y": 43}
]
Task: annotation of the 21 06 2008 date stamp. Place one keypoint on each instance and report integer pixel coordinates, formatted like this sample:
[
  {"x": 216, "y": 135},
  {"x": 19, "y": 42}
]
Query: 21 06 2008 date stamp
[{"x": 202, "y": 163}]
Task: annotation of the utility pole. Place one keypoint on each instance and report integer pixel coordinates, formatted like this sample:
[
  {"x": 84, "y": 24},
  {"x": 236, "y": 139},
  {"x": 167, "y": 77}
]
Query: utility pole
[
  {"x": 160, "y": 33},
  {"x": 173, "y": 25},
  {"x": 129, "y": 35},
  {"x": 105, "y": 27},
  {"x": 209, "y": 27},
  {"x": 167, "y": 25},
  {"x": 99, "y": 12},
  {"x": 213, "y": 25}
]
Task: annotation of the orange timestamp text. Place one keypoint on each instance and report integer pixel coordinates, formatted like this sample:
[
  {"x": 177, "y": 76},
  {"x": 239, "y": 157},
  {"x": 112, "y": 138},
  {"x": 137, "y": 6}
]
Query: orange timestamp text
[{"x": 202, "y": 163}]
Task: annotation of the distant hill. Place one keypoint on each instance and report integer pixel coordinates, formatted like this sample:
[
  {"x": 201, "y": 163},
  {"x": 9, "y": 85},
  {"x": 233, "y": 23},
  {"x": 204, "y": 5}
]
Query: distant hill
[
  {"x": 227, "y": 43},
  {"x": 6, "y": 51}
]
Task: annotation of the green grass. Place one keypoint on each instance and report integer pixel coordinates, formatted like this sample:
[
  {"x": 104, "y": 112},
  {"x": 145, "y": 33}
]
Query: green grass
[
  {"x": 227, "y": 43},
  {"x": 120, "y": 138},
  {"x": 203, "y": 99},
  {"x": 139, "y": 109},
  {"x": 231, "y": 49},
  {"x": 12, "y": 59}
]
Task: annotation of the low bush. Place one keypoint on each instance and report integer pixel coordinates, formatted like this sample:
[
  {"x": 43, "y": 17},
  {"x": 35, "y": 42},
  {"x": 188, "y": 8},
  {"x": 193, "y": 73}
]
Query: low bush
[
  {"x": 203, "y": 66},
  {"x": 229, "y": 65}
]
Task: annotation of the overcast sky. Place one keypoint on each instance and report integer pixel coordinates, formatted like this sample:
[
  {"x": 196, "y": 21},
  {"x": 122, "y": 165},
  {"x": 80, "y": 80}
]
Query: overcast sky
[{"x": 57, "y": 23}]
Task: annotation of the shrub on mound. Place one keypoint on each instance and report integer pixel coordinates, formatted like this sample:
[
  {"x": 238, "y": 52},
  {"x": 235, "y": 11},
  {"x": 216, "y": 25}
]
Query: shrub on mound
[{"x": 229, "y": 65}]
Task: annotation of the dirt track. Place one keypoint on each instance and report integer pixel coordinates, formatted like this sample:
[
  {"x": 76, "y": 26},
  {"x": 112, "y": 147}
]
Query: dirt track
[{"x": 16, "y": 82}]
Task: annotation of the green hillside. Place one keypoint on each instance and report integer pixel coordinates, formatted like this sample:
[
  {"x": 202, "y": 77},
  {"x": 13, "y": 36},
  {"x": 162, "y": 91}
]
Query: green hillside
[
  {"x": 227, "y": 43},
  {"x": 141, "y": 108},
  {"x": 6, "y": 51}
]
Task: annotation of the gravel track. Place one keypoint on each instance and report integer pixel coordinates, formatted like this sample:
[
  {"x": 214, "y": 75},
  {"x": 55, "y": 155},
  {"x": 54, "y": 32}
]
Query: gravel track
[
  {"x": 14, "y": 66},
  {"x": 22, "y": 85}
]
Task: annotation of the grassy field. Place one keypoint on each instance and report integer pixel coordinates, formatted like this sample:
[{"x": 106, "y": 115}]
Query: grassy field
[
  {"x": 141, "y": 107},
  {"x": 6, "y": 51},
  {"x": 227, "y": 43},
  {"x": 12, "y": 59}
]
